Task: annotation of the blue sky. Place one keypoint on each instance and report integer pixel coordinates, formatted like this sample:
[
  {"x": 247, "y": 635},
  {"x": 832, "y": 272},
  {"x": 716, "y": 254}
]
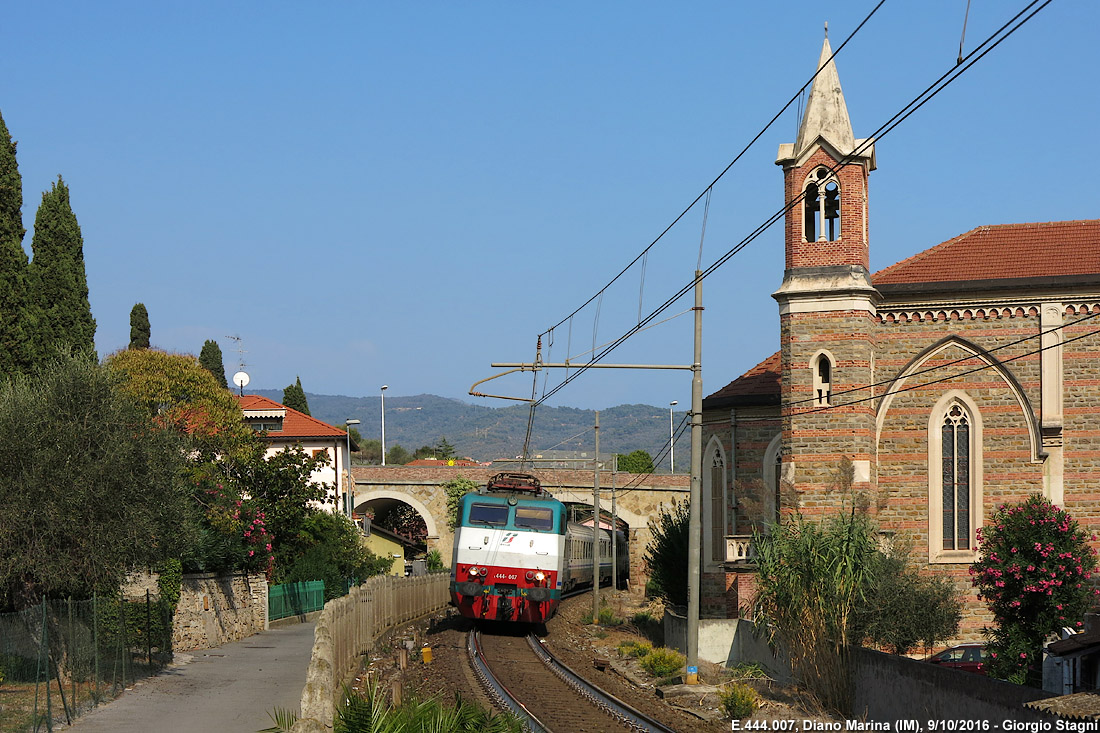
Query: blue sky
[{"x": 401, "y": 193}]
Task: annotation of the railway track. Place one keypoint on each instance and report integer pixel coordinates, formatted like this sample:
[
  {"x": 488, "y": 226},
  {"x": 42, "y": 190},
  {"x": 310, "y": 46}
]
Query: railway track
[{"x": 520, "y": 675}]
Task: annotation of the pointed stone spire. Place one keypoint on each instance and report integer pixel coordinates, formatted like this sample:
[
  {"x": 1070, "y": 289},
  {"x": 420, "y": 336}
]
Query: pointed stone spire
[{"x": 826, "y": 113}]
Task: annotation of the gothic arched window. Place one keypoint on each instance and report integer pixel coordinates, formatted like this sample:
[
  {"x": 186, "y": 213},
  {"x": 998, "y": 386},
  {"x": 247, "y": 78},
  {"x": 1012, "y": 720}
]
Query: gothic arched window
[
  {"x": 954, "y": 478},
  {"x": 715, "y": 513},
  {"x": 955, "y": 481},
  {"x": 822, "y": 366}
]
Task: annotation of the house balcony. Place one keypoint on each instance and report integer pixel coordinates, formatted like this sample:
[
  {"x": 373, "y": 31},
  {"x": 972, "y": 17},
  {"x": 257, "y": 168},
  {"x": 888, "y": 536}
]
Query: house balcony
[{"x": 739, "y": 549}]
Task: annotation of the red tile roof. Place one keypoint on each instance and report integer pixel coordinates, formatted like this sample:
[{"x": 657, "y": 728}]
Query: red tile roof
[
  {"x": 1052, "y": 249},
  {"x": 762, "y": 380},
  {"x": 295, "y": 424}
]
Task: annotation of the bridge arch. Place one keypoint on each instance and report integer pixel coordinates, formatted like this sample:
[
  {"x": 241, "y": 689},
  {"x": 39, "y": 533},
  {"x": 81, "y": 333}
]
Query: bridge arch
[{"x": 364, "y": 498}]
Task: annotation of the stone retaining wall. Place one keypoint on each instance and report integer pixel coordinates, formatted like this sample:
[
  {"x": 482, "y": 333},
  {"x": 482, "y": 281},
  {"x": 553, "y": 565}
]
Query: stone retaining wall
[
  {"x": 212, "y": 610},
  {"x": 215, "y": 609}
]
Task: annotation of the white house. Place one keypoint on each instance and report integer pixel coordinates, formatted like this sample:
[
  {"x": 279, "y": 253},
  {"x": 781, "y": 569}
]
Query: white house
[{"x": 284, "y": 427}]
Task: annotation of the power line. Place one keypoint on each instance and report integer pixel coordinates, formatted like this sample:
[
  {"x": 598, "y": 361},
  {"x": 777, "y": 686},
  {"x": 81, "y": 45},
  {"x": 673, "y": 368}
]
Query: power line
[
  {"x": 908, "y": 388},
  {"x": 719, "y": 177},
  {"x": 916, "y": 103},
  {"x": 1014, "y": 357},
  {"x": 960, "y": 360}
]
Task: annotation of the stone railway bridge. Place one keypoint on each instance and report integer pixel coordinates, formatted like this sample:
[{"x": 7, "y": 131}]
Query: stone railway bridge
[{"x": 420, "y": 487}]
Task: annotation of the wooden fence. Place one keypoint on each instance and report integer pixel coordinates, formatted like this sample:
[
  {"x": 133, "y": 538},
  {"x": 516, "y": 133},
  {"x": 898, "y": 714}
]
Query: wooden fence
[{"x": 348, "y": 626}]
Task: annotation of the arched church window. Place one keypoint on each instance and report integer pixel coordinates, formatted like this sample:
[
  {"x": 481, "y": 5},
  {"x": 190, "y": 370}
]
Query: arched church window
[
  {"x": 821, "y": 208},
  {"x": 823, "y": 379},
  {"x": 717, "y": 508},
  {"x": 956, "y": 450}
]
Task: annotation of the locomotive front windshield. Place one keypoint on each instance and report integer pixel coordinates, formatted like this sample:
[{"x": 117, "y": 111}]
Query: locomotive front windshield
[
  {"x": 495, "y": 514},
  {"x": 540, "y": 518}
]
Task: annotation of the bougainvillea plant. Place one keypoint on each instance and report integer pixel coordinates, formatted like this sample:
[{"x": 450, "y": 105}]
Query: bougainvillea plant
[{"x": 1034, "y": 572}]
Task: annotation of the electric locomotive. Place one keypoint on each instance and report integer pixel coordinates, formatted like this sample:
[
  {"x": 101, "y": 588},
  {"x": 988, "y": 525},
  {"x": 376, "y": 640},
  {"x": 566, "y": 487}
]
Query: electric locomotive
[
  {"x": 515, "y": 552},
  {"x": 509, "y": 549}
]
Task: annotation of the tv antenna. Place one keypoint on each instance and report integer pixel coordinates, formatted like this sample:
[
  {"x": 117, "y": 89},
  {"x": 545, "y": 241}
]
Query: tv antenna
[
  {"x": 240, "y": 352},
  {"x": 241, "y": 378}
]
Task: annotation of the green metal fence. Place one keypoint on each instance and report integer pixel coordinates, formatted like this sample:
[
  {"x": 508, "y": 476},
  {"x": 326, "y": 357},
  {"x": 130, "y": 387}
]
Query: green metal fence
[
  {"x": 295, "y": 599},
  {"x": 59, "y": 659}
]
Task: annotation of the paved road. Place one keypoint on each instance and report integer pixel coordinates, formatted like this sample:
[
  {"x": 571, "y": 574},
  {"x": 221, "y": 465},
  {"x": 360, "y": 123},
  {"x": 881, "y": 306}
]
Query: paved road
[{"x": 230, "y": 689}]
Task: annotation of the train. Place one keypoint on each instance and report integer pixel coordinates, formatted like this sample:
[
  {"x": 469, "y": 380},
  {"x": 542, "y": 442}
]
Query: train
[{"x": 516, "y": 551}]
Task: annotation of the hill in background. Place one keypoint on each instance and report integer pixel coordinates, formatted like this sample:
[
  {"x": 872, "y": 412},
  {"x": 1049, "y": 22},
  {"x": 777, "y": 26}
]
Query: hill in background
[{"x": 488, "y": 433}]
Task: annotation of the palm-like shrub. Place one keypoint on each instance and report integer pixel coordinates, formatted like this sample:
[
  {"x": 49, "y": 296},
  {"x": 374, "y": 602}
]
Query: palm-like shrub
[{"x": 813, "y": 575}]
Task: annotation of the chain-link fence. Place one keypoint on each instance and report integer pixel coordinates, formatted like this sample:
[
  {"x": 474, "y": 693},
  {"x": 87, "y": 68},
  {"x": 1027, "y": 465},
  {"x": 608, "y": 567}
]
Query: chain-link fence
[{"x": 61, "y": 658}]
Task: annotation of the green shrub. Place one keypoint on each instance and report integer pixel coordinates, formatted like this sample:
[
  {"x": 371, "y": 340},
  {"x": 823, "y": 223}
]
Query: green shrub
[
  {"x": 649, "y": 626},
  {"x": 748, "y": 671},
  {"x": 663, "y": 662},
  {"x": 738, "y": 701},
  {"x": 608, "y": 617},
  {"x": 636, "y": 649},
  {"x": 666, "y": 556},
  {"x": 371, "y": 711},
  {"x": 433, "y": 561}
]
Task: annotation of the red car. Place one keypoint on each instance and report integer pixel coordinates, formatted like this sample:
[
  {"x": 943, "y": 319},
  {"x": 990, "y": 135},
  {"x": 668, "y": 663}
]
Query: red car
[{"x": 967, "y": 657}]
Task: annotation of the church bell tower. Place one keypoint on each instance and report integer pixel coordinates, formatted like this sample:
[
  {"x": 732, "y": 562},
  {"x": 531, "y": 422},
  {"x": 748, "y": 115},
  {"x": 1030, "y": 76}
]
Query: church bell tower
[{"x": 827, "y": 304}]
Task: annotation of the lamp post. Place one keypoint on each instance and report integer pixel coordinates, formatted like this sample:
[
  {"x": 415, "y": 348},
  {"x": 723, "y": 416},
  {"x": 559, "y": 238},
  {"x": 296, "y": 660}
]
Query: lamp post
[
  {"x": 347, "y": 493},
  {"x": 671, "y": 439},
  {"x": 384, "y": 388}
]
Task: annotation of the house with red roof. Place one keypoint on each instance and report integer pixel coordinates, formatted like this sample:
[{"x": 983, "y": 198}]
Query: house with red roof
[
  {"x": 959, "y": 379},
  {"x": 282, "y": 427}
]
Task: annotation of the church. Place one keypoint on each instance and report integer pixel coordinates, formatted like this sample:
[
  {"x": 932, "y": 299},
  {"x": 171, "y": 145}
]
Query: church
[{"x": 959, "y": 379}]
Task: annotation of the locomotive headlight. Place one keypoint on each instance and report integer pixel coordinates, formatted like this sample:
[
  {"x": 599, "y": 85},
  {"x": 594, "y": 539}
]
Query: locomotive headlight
[
  {"x": 475, "y": 570},
  {"x": 540, "y": 576}
]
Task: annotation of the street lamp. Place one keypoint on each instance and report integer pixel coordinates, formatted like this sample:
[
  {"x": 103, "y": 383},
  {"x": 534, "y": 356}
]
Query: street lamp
[
  {"x": 671, "y": 439},
  {"x": 384, "y": 388},
  {"x": 347, "y": 492}
]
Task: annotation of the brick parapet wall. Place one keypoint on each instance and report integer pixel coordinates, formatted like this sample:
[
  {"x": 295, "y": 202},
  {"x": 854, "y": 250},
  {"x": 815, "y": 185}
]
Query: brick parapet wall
[{"x": 550, "y": 478}]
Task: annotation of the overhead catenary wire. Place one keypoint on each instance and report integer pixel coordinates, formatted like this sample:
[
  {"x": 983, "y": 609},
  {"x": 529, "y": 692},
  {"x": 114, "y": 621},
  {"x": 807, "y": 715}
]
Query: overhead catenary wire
[
  {"x": 909, "y": 387},
  {"x": 960, "y": 360},
  {"x": 722, "y": 174},
  {"x": 974, "y": 370},
  {"x": 1000, "y": 35}
]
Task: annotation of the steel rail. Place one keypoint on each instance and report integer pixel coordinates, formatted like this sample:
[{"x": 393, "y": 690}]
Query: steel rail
[
  {"x": 497, "y": 691},
  {"x": 633, "y": 719}
]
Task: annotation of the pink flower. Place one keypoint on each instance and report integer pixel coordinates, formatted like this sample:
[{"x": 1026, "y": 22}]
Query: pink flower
[{"x": 253, "y": 552}]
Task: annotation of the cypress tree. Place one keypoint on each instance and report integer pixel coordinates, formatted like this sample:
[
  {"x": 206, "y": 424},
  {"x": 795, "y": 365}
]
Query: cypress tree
[
  {"x": 139, "y": 327},
  {"x": 294, "y": 397},
  {"x": 59, "y": 284},
  {"x": 211, "y": 360},
  {"x": 15, "y": 332}
]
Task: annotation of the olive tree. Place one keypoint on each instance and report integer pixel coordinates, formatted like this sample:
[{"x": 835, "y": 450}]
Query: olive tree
[{"x": 92, "y": 488}]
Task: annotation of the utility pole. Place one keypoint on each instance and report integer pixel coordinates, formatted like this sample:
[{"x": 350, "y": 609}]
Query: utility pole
[
  {"x": 596, "y": 530},
  {"x": 695, "y": 511},
  {"x": 614, "y": 526},
  {"x": 696, "y": 496}
]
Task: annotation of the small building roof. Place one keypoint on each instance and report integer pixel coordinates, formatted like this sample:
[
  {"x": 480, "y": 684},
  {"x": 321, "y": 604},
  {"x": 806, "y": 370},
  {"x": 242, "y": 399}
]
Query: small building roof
[
  {"x": 1002, "y": 252},
  {"x": 760, "y": 385},
  {"x": 296, "y": 424}
]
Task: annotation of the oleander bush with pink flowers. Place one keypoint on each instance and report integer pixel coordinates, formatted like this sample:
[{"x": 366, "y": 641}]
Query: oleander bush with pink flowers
[{"x": 1035, "y": 573}]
